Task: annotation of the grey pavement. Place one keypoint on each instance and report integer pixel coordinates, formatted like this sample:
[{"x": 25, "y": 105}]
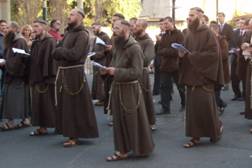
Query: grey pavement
[{"x": 19, "y": 150}]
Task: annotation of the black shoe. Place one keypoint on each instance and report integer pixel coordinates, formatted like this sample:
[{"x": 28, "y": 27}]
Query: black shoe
[
  {"x": 237, "y": 98},
  {"x": 242, "y": 113}
]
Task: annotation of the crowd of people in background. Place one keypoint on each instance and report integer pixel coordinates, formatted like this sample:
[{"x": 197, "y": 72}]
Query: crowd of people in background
[{"x": 44, "y": 85}]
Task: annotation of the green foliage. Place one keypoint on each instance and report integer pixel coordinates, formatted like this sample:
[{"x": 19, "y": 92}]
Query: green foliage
[{"x": 129, "y": 8}]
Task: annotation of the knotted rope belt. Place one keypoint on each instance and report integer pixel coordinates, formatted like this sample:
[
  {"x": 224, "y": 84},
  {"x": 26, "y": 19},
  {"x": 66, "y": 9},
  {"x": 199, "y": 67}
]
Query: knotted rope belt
[
  {"x": 66, "y": 88},
  {"x": 136, "y": 82}
]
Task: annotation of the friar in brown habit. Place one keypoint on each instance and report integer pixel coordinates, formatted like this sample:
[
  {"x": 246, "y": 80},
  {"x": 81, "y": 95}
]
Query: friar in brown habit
[
  {"x": 148, "y": 48},
  {"x": 201, "y": 69},
  {"x": 247, "y": 53},
  {"x": 42, "y": 76},
  {"x": 132, "y": 132},
  {"x": 75, "y": 113}
]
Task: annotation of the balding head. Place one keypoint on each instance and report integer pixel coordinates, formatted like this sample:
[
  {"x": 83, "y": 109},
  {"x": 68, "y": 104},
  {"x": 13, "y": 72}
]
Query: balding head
[
  {"x": 39, "y": 27},
  {"x": 75, "y": 17},
  {"x": 141, "y": 26},
  {"x": 14, "y": 27},
  {"x": 198, "y": 11},
  {"x": 121, "y": 28},
  {"x": 195, "y": 18}
]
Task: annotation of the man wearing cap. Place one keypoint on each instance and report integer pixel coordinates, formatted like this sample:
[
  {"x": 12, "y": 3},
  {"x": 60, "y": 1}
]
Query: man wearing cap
[
  {"x": 42, "y": 76},
  {"x": 132, "y": 132},
  {"x": 75, "y": 112},
  {"x": 201, "y": 70}
]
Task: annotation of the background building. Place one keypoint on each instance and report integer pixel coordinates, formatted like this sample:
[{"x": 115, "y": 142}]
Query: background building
[{"x": 5, "y": 9}]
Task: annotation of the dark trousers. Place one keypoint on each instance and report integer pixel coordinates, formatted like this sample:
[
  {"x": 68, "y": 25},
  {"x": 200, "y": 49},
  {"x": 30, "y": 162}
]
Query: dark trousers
[
  {"x": 235, "y": 81},
  {"x": 1, "y": 91},
  {"x": 107, "y": 85},
  {"x": 156, "y": 85},
  {"x": 219, "y": 101},
  {"x": 166, "y": 81}
]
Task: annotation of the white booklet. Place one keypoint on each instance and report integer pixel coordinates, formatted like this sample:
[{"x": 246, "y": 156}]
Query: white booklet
[
  {"x": 180, "y": 47},
  {"x": 98, "y": 65},
  {"x": 99, "y": 41},
  {"x": 19, "y": 51},
  {"x": 2, "y": 61},
  {"x": 90, "y": 54}
]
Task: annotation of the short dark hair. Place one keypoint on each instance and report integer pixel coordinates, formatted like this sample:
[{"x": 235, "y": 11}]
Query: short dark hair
[
  {"x": 161, "y": 20},
  {"x": 198, "y": 9},
  {"x": 125, "y": 22},
  {"x": 246, "y": 22},
  {"x": 53, "y": 21},
  {"x": 119, "y": 15},
  {"x": 206, "y": 18},
  {"x": 213, "y": 22},
  {"x": 41, "y": 21},
  {"x": 169, "y": 19},
  {"x": 221, "y": 13},
  {"x": 133, "y": 18},
  {"x": 3, "y": 21}
]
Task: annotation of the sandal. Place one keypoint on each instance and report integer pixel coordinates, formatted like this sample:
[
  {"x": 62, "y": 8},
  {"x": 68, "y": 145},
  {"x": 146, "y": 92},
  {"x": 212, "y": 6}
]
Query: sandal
[
  {"x": 38, "y": 132},
  {"x": 116, "y": 157},
  {"x": 70, "y": 143},
  {"x": 192, "y": 143},
  {"x": 110, "y": 124},
  {"x": 22, "y": 124},
  {"x": 6, "y": 127}
]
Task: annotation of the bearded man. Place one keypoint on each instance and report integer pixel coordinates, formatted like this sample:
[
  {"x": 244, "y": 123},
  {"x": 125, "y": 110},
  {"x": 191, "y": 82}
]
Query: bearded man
[
  {"x": 201, "y": 69},
  {"x": 75, "y": 113},
  {"x": 42, "y": 76},
  {"x": 16, "y": 96},
  {"x": 147, "y": 46},
  {"x": 131, "y": 128}
]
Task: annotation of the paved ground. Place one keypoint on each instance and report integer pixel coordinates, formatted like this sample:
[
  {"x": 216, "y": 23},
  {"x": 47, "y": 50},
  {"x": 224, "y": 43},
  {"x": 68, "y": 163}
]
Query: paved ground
[{"x": 18, "y": 150}]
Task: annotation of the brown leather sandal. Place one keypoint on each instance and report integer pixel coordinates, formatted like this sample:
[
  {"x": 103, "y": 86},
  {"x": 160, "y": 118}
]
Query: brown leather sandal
[
  {"x": 116, "y": 157},
  {"x": 38, "y": 132},
  {"x": 192, "y": 143},
  {"x": 70, "y": 143},
  {"x": 7, "y": 127}
]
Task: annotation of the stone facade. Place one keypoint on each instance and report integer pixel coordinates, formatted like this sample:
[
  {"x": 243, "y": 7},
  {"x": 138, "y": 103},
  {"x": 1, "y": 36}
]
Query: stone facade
[
  {"x": 155, "y": 9},
  {"x": 5, "y": 9}
]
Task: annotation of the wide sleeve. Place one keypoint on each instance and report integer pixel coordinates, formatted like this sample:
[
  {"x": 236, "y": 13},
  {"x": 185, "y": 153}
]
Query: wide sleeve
[
  {"x": 16, "y": 64},
  {"x": 49, "y": 66},
  {"x": 169, "y": 51},
  {"x": 149, "y": 52},
  {"x": 135, "y": 68},
  {"x": 206, "y": 60},
  {"x": 75, "y": 53}
]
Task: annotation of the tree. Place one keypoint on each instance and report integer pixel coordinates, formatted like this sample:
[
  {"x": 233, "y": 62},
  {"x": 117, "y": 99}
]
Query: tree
[{"x": 25, "y": 11}]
